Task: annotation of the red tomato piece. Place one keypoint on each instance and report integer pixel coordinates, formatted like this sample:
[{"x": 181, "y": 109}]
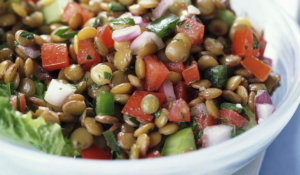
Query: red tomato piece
[
  {"x": 233, "y": 118},
  {"x": 104, "y": 33},
  {"x": 245, "y": 43},
  {"x": 179, "y": 111},
  {"x": 258, "y": 68},
  {"x": 175, "y": 67},
  {"x": 18, "y": 102},
  {"x": 191, "y": 74},
  {"x": 156, "y": 73},
  {"x": 153, "y": 154},
  {"x": 262, "y": 46},
  {"x": 87, "y": 54},
  {"x": 94, "y": 152},
  {"x": 54, "y": 56},
  {"x": 193, "y": 29},
  {"x": 74, "y": 8},
  {"x": 180, "y": 91},
  {"x": 133, "y": 105}
]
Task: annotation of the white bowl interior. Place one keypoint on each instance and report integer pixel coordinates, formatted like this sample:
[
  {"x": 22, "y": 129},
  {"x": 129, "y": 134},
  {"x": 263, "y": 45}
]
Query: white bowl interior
[{"x": 283, "y": 38}]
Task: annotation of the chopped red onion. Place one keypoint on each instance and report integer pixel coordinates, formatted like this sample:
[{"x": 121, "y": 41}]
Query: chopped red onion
[
  {"x": 145, "y": 38},
  {"x": 262, "y": 96},
  {"x": 40, "y": 73},
  {"x": 32, "y": 52},
  {"x": 168, "y": 90},
  {"x": 126, "y": 34},
  {"x": 264, "y": 111},
  {"x": 161, "y": 8},
  {"x": 216, "y": 134},
  {"x": 199, "y": 109}
]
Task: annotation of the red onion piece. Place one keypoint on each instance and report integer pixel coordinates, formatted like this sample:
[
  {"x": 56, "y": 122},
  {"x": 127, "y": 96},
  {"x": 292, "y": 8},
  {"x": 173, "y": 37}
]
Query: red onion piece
[
  {"x": 40, "y": 73},
  {"x": 161, "y": 8},
  {"x": 268, "y": 61},
  {"x": 168, "y": 90},
  {"x": 198, "y": 110},
  {"x": 32, "y": 52},
  {"x": 126, "y": 34},
  {"x": 138, "y": 20},
  {"x": 264, "y": 111},
  {"x": 216, "y": 134},
  {"x": 145, "y": 38},
  {"x": 57, "y": 92},
  {"x": 262, "y": 96}
]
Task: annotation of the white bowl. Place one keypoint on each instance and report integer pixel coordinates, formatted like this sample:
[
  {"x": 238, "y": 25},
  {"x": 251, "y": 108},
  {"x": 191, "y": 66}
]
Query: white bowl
[{"x": 283, "y": 38}]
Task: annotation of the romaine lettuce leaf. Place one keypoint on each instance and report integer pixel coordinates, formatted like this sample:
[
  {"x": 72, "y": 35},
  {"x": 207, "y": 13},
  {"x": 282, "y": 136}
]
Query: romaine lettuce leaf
[{"x": 41, "y": 135}]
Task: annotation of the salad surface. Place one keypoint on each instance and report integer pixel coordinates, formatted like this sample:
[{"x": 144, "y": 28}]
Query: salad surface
[{"x": 127, "y": 79}]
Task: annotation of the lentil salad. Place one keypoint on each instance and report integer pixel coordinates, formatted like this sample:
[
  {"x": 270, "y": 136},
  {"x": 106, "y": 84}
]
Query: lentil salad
[{"x": 130, "y": 79}]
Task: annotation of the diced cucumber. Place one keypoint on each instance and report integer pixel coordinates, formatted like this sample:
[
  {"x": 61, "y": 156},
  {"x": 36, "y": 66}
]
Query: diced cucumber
[
  {"x": 235, "y": 107},
  {"x": 217, "y": 75},
  {"x": 179, "y": 142},
  {"x": 52, "y": 12}
]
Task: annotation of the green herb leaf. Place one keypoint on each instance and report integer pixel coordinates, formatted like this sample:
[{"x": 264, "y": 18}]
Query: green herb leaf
[
  {"x": 111, "y": 139},
  {"x": 16, "y": 43},
  {"x": 75, "y": 85},
  {"x": 86, "y": 79},
  {"x": 127, "y": 68},
  {"x": 180, "y": 40},
  {"x": 246, "y": 47},
  {"x": 255, "y": 45},
  {"x": 4, "y": 45},
  {"x": 182, "y": 114},
  {"x": 119, "y": 21},
  {"x": 27, "y": 35},
  {"x": 133, "y": 120},
  {"x": 179, "y": 24},
  {"x": 40, "y": 88},
  {"x": 96, "y": 22},
  {"x": 62, "y": 33},
  {"x": 88, "y": 57},
  {"x": 157, "y": 113},
  {"x": 187, "y": 27},
  {"x": 6, "y": 90},
  {"x": 107, "y": 75},
  {"x": 117, "y": 7},
  {"x": 184, "y": 125}
]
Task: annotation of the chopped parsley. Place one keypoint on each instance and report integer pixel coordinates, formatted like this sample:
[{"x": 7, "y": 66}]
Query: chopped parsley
[
  {"x": 133, "y": 120},
  {"x": 179, "y": 24},
  {"x": 180, "y": 40},
  {"x": 88, "y": 57},
  {"x": 96, "y": 22},
  {"x": 107, "y": 75},
  {"x": 16, "y": 43},
  {"x": 187, "y": 27},
  {"x": 182, "y": 114},
  {"x": 4, "y": 45},
  {"x": 246, "y": 47},
  {"x": 62, "y": 33},
  {"x": 86, "y": 79},
  {"x": 96, "y": 86},
  {"x": 157, "y": 113},
  {"x": 119, "y": 21},
  {"x": 127, "y": 68},
  {"x": 27, "y": 35},
  {"x": 60, "y": 88},
  {"x": 255, "y": 45},
  {"x": 75, "y": 85},
  {"x": 117, "y": 7}
]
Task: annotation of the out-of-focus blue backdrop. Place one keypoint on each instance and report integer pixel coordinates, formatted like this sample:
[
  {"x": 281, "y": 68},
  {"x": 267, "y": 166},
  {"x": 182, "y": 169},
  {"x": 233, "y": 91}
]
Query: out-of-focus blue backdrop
[{"x": 283, "y": 155}]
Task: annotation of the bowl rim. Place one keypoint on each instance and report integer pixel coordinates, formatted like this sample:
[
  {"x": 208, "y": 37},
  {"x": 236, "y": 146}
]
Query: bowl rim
[{"x": 292, "y": 97}]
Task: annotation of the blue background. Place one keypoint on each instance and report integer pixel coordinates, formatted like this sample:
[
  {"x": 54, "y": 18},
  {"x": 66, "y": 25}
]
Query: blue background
[{"x": 283, "y": 155}]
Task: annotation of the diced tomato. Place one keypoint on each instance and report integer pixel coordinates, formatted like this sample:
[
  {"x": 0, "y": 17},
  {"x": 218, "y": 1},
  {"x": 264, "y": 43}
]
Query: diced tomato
[
  {"x": 233, "y": 118},
  {"x": 191, "y": 74},
  {"x": 18, "y": 102},
  {"x": 87, "y": 53},
  {"x": 193, "y": 29},
  {"x": 104, "y": 33},
  {"x": 156, "y": 73},
  {"x": 203, "y": 121},
  {"x": 54, "y": 56},
  {"x": 258, "y": 68},
  {"x": 133, "y": 105},
  {"x": 153, "y": 154},
  {"x": 179, "y": 111},
  {"x": 245, "y": 43},
  {"x": 74, "y": 8},
  {"x": 262, "y": 46},
  {"x": 94, "y": 152},
  {"x": 180, "y": 91},
  {"x": 175, "y": 67}
]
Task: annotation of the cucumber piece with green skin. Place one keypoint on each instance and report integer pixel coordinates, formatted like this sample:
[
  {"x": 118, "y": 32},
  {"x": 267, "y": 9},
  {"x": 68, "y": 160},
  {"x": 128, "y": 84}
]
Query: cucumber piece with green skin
[
  {"x": 52, "y": 12},
  {"x": 179, "y": 142},
  {"x": 235, "y": 107}
]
